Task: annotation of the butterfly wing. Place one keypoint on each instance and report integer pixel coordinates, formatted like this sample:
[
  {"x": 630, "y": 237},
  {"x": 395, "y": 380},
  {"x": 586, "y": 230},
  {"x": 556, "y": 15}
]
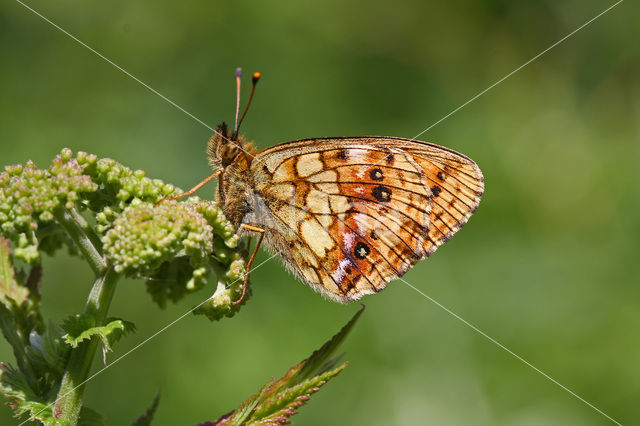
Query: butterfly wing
[
  {"x": 456, "y": 183},
  {"x": 348, "y": 215}
]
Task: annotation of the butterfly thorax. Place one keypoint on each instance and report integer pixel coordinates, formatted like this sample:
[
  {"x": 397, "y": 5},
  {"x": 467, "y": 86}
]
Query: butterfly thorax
[{"x": 232, "y": 154}]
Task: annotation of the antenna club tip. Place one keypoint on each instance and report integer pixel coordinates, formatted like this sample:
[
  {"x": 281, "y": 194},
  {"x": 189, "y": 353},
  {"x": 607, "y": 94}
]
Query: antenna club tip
[
  {"x": 256, "y": 77},
  {"x": 238, "y": 72}
]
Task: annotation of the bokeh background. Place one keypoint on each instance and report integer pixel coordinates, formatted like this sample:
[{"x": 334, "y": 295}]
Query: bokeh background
[{"x": 548, "y": 265}]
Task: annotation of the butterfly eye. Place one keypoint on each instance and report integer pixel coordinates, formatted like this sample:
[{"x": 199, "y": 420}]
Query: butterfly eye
[{"x": 228, "y": 153}]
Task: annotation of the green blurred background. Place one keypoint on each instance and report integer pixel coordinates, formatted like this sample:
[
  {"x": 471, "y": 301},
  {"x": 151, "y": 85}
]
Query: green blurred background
[{"x": 548, "y": 265}]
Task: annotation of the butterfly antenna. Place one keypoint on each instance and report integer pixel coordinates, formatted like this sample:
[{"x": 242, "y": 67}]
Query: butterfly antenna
[
  {"x": 254, "y": 81},
  {"x": 238, "y": 78}
]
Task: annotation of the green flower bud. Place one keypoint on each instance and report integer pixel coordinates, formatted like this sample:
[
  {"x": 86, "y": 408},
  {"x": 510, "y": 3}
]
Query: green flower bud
[
  {"x": 29, "y": 197},
  {"x": 171, "y": 245},
  {"x": 220, "y": 304},
  {"x": 144, "y": 236}
]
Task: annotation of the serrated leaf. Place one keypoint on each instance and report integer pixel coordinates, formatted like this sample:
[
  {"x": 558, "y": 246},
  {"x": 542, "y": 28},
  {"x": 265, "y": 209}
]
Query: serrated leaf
[
  {"x": 240, "y": 416},
  {"x": 119, "y": 330},
  {"x": 145, "y": 419},
  {"x": 29, "y": 387},
  {"x": 47, "y": 354},
  {"x": 275, "y": 402},
  {"x": 82, "y": 327},
  {"x": 319, "y": 360},
  {"x": 279, "y": 407},
  {"x": 77, "y": 328},
  {"x": 15, "y": 387}
]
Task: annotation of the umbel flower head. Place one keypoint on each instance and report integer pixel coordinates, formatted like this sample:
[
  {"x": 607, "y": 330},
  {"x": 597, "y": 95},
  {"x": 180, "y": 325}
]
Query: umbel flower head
[
  {"x": 143, "y": 237},
  {"x": 174, "y": 246}
]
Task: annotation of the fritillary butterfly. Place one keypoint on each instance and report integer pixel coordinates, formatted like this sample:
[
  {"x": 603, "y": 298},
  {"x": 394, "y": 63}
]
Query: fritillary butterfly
[{"x": 347, "y": 215}]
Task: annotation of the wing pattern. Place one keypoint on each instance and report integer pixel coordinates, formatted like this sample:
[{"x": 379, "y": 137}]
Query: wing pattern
[{"x": 348, "y": 215}]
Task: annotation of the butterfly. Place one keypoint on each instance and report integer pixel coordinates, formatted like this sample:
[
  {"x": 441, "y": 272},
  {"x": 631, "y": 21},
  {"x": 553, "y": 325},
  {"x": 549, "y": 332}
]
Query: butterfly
[{"x": 347, "y": 215}]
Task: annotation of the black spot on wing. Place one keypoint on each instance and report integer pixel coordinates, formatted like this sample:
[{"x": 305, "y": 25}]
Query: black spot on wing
[
  {"x": 376, "y": 174},
  {"x": 361, "y": 250},
  {"x": 381, "y": 193},
  {"x": 389, "y": 158}
]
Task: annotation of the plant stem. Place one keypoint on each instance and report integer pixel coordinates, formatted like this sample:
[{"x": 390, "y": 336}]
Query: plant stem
[
  {"x": 84, "y": 225},
  {"x": 69, "y": 400},
  {"x": 82, "y": 240}
]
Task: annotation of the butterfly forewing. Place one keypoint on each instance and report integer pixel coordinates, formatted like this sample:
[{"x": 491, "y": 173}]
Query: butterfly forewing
[{"x": 351, "y": 214}]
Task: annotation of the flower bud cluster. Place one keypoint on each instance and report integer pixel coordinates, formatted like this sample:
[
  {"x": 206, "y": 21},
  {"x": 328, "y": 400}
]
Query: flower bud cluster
[
  {"x": 174, "y": 245},
  {"x": 29, "y": 198}
]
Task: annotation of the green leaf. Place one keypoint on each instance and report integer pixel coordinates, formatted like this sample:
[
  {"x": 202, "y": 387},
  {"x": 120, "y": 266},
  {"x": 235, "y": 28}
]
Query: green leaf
[
  {"x": 90, "y": 417},
  {"x": 241, "y": 415},
  {"x": 276, "y": 402},
  {"x": 82, "y": 327},
  {"x": 11, "y": 296},
  {"x": 47, "y": 354},
  {"x": 319, "y": 361},
  {"x": 120, "y": 329},
  {"x": 280, "y": 406},
  {"x": 147, "y": 417},
  {"x": 21, "y": 398},
  {"x": 76, "y": 327},
  {"x": 30, "y": 388},
  {"x": 20, "y": 322},
  {"x": 173, "y": 280},
  {"x": 11, "y": 293}
]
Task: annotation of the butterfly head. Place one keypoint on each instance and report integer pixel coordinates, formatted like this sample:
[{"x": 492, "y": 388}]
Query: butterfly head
[{"x": 224, "y": 148}]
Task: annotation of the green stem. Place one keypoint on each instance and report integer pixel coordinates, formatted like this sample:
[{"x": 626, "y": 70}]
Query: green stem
[
  {"x": 82, "y": 240},
  {"x": 88, "y": 229},
  {"x": 69, "y": 400}
]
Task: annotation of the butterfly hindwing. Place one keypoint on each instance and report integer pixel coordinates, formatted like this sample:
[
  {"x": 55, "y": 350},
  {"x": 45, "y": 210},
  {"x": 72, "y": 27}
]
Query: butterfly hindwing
[
  {"x": 456, "y": 183},
  {"x": 348, "y": 215}
]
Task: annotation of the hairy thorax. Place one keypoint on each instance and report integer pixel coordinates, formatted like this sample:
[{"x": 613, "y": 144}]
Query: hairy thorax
[{"x": 234, "y": 155}]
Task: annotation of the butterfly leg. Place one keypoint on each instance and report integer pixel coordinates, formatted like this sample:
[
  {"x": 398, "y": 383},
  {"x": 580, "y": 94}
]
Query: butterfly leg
[
  {"x": 192, "y": 190},
  {"x": 251, "y": 259}
]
